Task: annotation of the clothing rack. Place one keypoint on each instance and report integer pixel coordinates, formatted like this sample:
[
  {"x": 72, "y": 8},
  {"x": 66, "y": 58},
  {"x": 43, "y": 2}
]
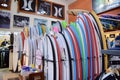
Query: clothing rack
[
  {"x": 112, "y": 53},
  {"x": 110, "y": 73},
  {"x": 116, "y": 62}
]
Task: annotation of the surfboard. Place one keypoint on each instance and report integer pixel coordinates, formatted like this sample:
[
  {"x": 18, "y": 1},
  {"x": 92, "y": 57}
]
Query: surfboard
[
  {"x": 103, "y": 38},
  {"x": 84, "y": 23},
  {"x": 17, "y": 48},
  {"x": 23, "y": 38},
  {"x": 31, "y": 57},
  {"x": 56, "y": 58},
  {"x": 99, "y": 41},
  {"x": 99, "y": 53},
  {"x": 15, "y": 54},
  {"x": 81, "y": 49},
  {"x": 81, "y": 29},
  {"x": 64, "y": 57},
  {"x": 77, "y": 55},
  {"x": 52, "y": 59},
  {"x": 94, "y": 43},
  {"x": 70, "y": 45},
  {"x": 59, "y": 58},
  {"x": 98, "y": 49},
  {"x": 20, "y": 51},
  {"x": 10, "y": 60},
  {"x": 49, "y": 59},
  {"x": 26, "y": 51},
  {"x": 82, "y": 35},
  {"x": 69, "y": 58}
]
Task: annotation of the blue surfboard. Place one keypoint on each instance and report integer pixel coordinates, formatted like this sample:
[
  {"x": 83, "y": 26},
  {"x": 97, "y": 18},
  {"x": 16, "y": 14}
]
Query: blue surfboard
[
  {"x": 68, "y": 39},
  {"x": 79, "y": 33},
  {"x": 89, "y": 37}
]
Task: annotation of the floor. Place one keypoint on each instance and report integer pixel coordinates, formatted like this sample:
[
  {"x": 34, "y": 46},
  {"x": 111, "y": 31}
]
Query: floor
[
  {"x": 2, "y": 72},
  {"x": 5, "y": 72}
]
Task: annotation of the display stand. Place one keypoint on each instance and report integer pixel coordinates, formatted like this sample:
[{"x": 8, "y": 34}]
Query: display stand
[{"x": 110, "y": 54}]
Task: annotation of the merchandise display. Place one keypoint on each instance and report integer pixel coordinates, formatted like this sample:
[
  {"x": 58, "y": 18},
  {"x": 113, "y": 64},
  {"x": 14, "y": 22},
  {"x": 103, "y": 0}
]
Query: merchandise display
[
  {"x": 71, "y": 53},
  {"x": 59, "y": 40},
  {"x": 113, "y": 71}
]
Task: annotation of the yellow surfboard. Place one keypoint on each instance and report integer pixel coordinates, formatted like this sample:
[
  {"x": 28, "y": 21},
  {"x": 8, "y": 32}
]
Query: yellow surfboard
[{"x": 103, "y": 38}]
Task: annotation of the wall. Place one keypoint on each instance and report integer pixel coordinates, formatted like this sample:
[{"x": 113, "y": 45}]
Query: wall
[
  {"x": 80, "y": 4},
  {"x": 87, "y": 5},
  {"x": 14, "y": 12},
  {"x": 113, "y": 11}
]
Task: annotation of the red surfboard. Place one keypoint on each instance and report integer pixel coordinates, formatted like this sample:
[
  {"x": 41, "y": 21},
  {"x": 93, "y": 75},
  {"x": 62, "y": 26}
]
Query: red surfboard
[
  {"x": 94, "y": 42},
  {"x": 23, "y": 38},
  {"x": 93, "y": 61},
  {"x": 59, "y": 59},
  {"x": 77, "y": 55},
  {"x": 88, "y": 47}
]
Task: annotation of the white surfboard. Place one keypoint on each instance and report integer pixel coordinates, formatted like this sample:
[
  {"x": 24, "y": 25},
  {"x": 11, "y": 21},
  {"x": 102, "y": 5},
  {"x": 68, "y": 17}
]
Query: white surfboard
[
  {"x": 64, "y": 57},
  {"x": 48, "y": 55},
  {"x": 98, "y": 43},
  {"x": 56, "y": 56},
  {"x": 15, "y": 53}
]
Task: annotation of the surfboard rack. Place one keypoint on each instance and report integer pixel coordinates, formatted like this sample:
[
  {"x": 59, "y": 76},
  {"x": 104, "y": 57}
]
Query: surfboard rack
[{"x": 74, "y": 12}]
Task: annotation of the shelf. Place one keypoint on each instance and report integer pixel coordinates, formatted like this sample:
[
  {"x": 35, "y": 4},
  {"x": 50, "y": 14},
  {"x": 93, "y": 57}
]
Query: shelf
[
  {"x": 111, "y": 52},
  {"x": 112, "y": 32},
  {"x": 109, "y": 19}
]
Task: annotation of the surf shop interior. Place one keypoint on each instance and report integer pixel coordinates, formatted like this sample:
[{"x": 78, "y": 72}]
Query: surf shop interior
[{"x": 59, "y": 40}]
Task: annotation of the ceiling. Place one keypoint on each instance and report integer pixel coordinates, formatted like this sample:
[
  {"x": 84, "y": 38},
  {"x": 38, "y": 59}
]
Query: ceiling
[{"x": 68, "y": 1}]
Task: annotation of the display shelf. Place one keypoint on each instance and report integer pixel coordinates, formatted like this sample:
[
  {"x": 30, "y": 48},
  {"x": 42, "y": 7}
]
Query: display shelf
[
  {"x": 112, "y": 32},
  {"x": 111, "y": 52},
  {"x": 109, "y": 19}
]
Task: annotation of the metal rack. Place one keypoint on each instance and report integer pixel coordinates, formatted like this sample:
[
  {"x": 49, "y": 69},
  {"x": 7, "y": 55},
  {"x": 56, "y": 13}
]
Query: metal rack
[{"x": 110, "y": 54}]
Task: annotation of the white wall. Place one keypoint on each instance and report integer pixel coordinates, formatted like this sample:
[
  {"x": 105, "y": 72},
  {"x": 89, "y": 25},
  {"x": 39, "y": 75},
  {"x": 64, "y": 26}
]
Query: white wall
[{"x": 31, "y": 16}]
